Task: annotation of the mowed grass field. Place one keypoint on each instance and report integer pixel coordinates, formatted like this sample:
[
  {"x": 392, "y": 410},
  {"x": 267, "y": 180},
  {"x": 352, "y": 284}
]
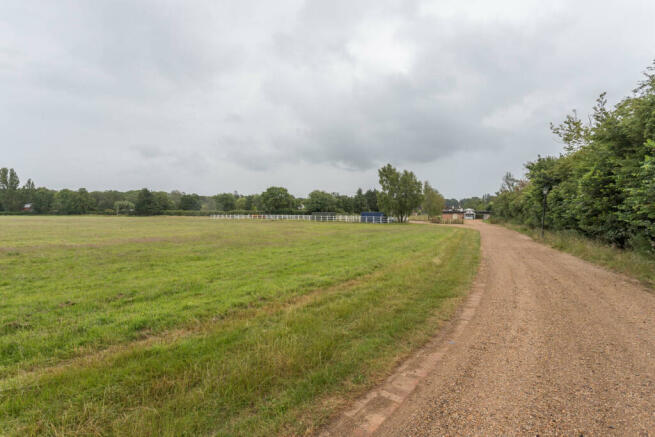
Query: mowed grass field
[{"x": 189, "y": 326}]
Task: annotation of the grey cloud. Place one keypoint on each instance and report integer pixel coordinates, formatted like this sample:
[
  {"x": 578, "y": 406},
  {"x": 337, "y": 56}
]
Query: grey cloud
[
  {"x": 149, "y": 151},
  {"x": 215, "y": 96}
]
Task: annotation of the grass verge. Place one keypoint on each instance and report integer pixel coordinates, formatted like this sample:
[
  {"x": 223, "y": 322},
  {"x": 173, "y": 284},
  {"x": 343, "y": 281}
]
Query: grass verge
[{"x": 207, "y": 328}]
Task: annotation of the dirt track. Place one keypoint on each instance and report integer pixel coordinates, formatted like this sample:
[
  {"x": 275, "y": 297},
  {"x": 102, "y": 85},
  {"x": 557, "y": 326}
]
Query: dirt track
[{"x": 548, "y": 344}]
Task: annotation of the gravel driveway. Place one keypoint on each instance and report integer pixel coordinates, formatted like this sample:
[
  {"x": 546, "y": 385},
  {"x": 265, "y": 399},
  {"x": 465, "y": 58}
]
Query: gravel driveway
[{"x": 548, "y": 344}]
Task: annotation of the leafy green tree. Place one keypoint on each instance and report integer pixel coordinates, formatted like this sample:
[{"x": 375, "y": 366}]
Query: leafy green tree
[
  {"x": 190, "y": 202},
  {"x": 602, "y": 186},
  {"x": 277, "y": 199},
  {"x": 123, "y": 207},
  {"x": 86, "y": 202},
  {"x": 73, "y": 202},
  {"x": 371, "y": 200},
  {"x": 43, "y": 200},
  {"x": 638, "y": 209},
  {"x": 572, "y": 131},
  {"x": 147, "y": 203},
  {"x": 433, "y": 202},
  {"x": 257, "y": 203},
  {"x": 175, "y": 196},
  {"x": 509, "y": 182},
  {"x": 105, "y": 200},
  {"x": 27, "y": 192},
  {"x": 320, "y": 201},
  {"x": 242, "y": 203},
  {"x": 162, "y": 200},
  {"x": 359, "y": 202},
  {"x": 344, "y": 203},
  {"x": 225, "y": 202},
  {"x": 401, "y": 192},
  {"x": 9, "y": 193},
  {"x": 207, "y": 203},
  {"x": 251, "y": 202}
]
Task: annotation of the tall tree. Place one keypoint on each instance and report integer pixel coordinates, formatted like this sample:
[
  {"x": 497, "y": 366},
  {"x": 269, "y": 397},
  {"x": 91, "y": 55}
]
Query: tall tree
[
  {"x": 190, "y": 202},
  {"x": 433, "y": 202},
  {"x": 371, "y": 200},
  {"x": 602, "y": 186},
  {"x": 43, "y": 200},
  {"x": 123, "y": 207},
  {"x": 344, "y": 203},
  {"x": 359, "y": 202},
  {"x": 225, "y": 201},
  {"x": 401, "y": 192},
  {"x": 27, "y": 192},
  {"x": 320, "y": 201},
  {"x": 9, "y": 194},
  {"x": 73, "y": 202},
  {"x": 277, "y": 199},
  {"x": 147, "y": 203},
  {"x": 162, "y": 201}
]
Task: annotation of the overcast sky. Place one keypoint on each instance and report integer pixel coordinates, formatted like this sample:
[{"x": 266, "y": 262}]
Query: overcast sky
[{"x": 220, "y": 96}]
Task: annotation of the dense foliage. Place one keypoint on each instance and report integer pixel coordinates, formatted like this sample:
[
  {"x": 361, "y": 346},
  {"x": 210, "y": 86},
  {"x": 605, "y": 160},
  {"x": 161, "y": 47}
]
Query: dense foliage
[
  {"x": 433, "y": 202},
  {"x": 401, "y": 192},
  {"x": 603, "y": 185},
  {"x": 15, "y": 199}
]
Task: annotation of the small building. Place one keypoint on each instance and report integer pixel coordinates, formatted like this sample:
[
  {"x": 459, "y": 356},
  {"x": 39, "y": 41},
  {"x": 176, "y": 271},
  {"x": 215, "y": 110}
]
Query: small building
[
  {"x": 452, "y": 214},
  {"x": 469, "y": 214},
  {"x": 449, "y": 217},
  {"x": 27, "y": 207}
]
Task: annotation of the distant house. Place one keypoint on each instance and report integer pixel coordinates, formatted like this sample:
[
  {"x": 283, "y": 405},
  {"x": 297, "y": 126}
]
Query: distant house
[
  {"x": 27, "y": 207},
  {"x": 469, "y": 214}
]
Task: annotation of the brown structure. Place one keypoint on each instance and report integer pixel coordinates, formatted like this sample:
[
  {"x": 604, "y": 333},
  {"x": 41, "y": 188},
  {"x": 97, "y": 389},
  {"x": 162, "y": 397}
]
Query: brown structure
[{"x": 452, "y": 214}]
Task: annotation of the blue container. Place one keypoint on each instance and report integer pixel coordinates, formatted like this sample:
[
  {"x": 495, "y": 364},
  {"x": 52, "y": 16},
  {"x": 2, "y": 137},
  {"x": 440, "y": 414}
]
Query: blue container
[{"x": 373, "y": 217}]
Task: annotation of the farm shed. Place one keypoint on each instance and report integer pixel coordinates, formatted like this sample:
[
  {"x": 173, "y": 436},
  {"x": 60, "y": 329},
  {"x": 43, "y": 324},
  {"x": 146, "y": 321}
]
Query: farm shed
[{"x": 452, "y": 214}]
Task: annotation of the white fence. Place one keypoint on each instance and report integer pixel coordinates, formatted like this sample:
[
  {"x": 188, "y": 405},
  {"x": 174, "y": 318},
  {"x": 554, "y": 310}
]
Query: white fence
[{"x": 309, "y": 218}]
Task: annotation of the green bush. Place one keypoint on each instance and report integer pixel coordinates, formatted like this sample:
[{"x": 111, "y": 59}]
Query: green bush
[{"x": 603, "y": 186}]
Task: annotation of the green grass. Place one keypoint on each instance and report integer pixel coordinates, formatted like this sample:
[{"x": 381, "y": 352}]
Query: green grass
[
  {"x": 188, "y": 326},
  {"x": 628, "y": 262}
]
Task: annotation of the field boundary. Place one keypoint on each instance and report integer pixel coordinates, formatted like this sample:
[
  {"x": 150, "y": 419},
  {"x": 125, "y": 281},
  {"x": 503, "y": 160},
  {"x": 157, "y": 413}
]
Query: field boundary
[
  {"x": 298, "y": 217},
  {"x": 371, "y": 410}
]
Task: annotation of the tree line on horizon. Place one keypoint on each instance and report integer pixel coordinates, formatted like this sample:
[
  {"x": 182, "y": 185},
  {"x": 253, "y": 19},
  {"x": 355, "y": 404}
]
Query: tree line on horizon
[
  {"x": 401, "y": 194},
  {"x": 603, "y": 184},
  {"x": 14, "y": 197}
]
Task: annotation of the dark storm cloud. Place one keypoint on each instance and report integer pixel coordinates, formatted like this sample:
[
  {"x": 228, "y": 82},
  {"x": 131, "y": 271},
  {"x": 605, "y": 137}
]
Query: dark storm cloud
[{"x": 211, "y": 96}]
